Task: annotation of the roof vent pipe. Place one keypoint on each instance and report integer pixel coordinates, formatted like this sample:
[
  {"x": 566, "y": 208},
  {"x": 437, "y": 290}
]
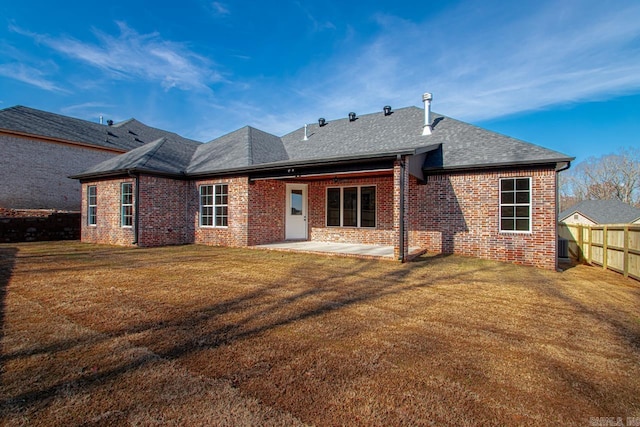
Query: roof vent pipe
[
  {"x": 101, "y": 119},
  {"x": 306, "y": 137},
  {"x": 426, "y": 98},
  {"x": 322, "y": 121},
  {"x": 387, "y": 110},
  {"x": 352, "y": 117}
]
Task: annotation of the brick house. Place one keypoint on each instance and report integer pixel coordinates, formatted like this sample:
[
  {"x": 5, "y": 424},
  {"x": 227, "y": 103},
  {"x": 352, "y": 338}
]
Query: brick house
[
  {"x": 41, "y": 149},
  {"x": 407, "y": 178}
]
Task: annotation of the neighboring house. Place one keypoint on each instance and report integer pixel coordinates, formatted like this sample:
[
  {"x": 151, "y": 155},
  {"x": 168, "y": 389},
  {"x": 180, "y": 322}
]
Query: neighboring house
[
  {"x": 592, "y": 212},
  {"x": 40, "y": 150},
  {"x": 403, "y": 178}
]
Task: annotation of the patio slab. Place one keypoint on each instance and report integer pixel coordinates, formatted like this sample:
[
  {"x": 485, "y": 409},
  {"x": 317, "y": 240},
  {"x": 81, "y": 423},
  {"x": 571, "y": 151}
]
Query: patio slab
[{"x": 344, "y": 249}]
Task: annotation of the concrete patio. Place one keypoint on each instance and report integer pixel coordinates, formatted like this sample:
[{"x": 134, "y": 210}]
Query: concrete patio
[{"x": 341, "y": 249}]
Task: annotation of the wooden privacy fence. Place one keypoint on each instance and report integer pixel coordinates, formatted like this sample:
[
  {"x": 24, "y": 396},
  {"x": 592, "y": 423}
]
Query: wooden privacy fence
[{"x": 614, "y": 246}]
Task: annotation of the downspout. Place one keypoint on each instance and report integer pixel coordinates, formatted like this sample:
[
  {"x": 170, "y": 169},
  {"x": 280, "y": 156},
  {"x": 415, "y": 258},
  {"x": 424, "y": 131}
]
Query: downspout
[
  {"x": 136, "y": 204},
  {"x": 401, "y": 228}
]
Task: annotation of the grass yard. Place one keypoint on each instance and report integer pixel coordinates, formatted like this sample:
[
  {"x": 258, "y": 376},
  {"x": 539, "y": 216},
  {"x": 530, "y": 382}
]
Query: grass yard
[{"x": 195, "y": 335}]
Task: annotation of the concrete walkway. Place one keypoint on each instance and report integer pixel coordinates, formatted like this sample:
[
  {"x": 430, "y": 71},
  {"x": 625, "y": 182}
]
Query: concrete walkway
[{"x": 344, "y": 249}]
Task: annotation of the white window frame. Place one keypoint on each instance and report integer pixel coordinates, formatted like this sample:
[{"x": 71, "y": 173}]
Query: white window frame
[
  {"x": 92, "y": 208},
  {"x": 515, "y": 205},
  {"x": 126, "y": 219},
  {"x": 215, "y": 217},
  {"x": 358, "y": 207}
]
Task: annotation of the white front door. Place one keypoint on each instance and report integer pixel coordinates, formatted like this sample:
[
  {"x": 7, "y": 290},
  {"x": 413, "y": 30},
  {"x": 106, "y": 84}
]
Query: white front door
[{"x": 296, "y": 221}]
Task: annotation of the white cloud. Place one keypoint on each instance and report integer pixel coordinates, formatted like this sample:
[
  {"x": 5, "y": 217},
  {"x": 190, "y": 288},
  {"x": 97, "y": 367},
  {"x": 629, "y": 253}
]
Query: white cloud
[
  {"x": 131, "y": 55},
  {"x": 29, "y": 75},
  {"x": 220, "y": 8},
  {"x": 482, "y": 64},
  {"x": 91, "y": 109}
]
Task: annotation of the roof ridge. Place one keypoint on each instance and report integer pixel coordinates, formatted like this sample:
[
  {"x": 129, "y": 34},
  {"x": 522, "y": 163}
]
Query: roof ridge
[
  {"x": 42, "y": 113},
  {"x": 160, "y": 141},
  {"x": 373, "y": 113},
  {"x": 250, "y": 144},
  {"x": 124, "y": 122}
]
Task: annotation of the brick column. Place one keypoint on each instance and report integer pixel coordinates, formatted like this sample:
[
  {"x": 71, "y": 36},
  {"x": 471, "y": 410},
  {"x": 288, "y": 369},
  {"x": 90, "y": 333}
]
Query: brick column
[{"x": 400, "y": 184}]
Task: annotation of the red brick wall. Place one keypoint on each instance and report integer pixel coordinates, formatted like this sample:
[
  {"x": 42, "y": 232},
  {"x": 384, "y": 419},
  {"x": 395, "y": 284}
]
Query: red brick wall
[
  {"x": 451, "y": 213},
  {"x": 107, "y": 229},
  {"x": 459, "y": 213},
  {"x": 382, "y": 234},
  {"x": 236, "y": 233},
  {"x": 163, "y": 212},
  {"x": 267, "y": 200}
]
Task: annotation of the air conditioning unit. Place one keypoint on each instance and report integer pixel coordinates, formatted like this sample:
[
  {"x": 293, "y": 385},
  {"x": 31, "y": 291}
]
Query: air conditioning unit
[{"x": 563, "y": 248}]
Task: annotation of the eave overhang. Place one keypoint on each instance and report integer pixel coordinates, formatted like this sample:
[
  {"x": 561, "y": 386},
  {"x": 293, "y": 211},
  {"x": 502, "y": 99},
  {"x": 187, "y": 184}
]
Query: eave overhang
[
  {"x": 558, "y": 164},
  {"x": 291, "y": 168},
  {"x": 127, "y": 172}
]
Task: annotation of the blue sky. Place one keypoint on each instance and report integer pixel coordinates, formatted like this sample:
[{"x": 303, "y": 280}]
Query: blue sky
[{"x": 562, "y": 74}]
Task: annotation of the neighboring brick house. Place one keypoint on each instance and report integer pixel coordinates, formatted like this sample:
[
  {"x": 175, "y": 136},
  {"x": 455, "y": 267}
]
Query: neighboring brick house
[
  {"x": 592, "y": 212},
  {"x": 41, "y": 149},
  {"x": 403, "y": 178}
]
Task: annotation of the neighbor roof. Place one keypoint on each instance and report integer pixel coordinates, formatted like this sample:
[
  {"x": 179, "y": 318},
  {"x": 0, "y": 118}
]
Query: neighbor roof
[
  {"x": 123, "y": 136},
  {"x": 452, "y": 145},
  {"x": 603, "y": 211}
]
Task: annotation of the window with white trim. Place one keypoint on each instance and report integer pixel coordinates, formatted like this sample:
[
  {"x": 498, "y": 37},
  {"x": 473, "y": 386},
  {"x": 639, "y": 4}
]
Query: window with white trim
[
  {"x": 214, "y": 205},
  {"x": 92, "y": 205},
  {"x": 126, "y": 204},
  {"x": 351, "y": 206},
  {"x": 515, "y": 205}
]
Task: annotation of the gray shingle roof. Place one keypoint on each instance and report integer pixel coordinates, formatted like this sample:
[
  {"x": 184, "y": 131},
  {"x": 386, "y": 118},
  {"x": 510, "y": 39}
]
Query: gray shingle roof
[
  {"x": 452, "y": 145},
  {"x": 369, "y": 134},
  {"x": 165, "y": 155},
  {"x": 603, "y": 211},
  {"x": 122, "y": 136},
  {"x": 242, "y": 148},
  {"x": 462, "y": 144}
]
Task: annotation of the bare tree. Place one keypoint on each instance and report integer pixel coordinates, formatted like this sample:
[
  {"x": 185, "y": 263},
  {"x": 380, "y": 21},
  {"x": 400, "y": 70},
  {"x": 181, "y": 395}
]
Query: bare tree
[{"x": 613, "y": 176}]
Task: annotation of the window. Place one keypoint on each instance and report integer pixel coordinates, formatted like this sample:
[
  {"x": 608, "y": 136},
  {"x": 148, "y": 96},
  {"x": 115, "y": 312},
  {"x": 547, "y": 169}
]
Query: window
[
  {"x": 214, "y": 205},
  {"x": 515, "y": 204},
  {"x": 92, "y": 204},
  {"x": 351, "y": 207},
  {"x": 126, "y": 204},
  {"x": 296, "y": 202}
]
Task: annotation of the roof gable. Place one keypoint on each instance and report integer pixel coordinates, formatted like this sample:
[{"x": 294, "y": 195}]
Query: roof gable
[
  {"x": 245, "y": 147},
  {"x": 165, "y": 156}
]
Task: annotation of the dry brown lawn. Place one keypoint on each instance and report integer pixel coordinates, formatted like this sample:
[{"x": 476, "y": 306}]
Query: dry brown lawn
[{"x": 194, "y": 335}]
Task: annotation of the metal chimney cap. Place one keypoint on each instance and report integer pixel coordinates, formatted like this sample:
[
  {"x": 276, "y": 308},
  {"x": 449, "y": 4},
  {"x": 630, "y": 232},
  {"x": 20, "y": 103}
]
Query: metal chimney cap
[
  {"x": 352, "y": 116},
  {"x": 322, "y": 121},
  {"x": 427, "y": 97},
  {"x": 387, "y": 110}
]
